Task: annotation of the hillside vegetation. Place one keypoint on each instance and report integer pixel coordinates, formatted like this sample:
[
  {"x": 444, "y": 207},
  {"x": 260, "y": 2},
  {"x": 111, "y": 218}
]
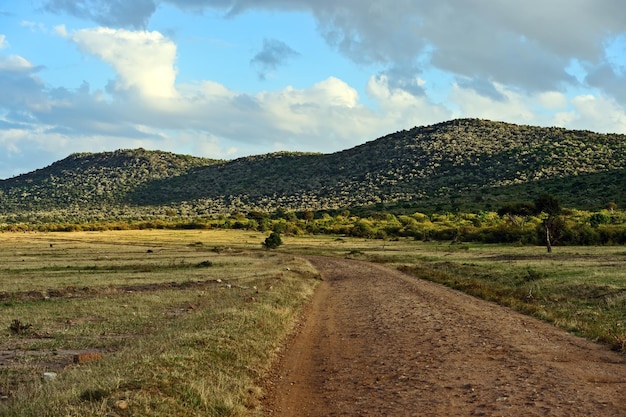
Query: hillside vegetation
[
  {"x": 92, "y": 179},
  {"x": 460, "y": 165}
]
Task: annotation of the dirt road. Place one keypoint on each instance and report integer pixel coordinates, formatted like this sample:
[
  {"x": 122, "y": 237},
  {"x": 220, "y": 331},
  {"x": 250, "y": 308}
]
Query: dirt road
[{"x": 376, "y": 342}]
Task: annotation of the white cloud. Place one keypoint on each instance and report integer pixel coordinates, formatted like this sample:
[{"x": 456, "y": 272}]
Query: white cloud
[
  {"x": 331, "y": 92},
  {"x": 201, "y": 144},
  {"x": 14, "y": 63},
  {"x": 513, "y": 106},
  {"x": 598, "y": 113},
  {"x": 326, "y": 107},
  {"x": 528, "y": 45},
  {"x": 325, "y": 115},
  {"x": 511, "y": 61},
  {"x": 212, "y": 120},
  {"x": 33, "y": 26},
  {"x": 552, "y": 100},
  {"x": 9, "y": 139},
  {"x": 21, "y": 90},
  {"x": 525, "y": 44},
  {"x": 61, "y": 30},
  {"x": 400, "y": 109},
  {"x": 143, "y": 60}
]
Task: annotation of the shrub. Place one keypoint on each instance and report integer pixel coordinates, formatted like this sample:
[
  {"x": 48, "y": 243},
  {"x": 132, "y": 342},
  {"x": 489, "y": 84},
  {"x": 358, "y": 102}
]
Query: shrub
[{"x": 273, "y": 241}]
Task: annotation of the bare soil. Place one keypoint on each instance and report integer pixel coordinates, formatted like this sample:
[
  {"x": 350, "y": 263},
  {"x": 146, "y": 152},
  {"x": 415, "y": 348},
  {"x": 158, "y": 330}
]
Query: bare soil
[{"x": 377, "y": 342}]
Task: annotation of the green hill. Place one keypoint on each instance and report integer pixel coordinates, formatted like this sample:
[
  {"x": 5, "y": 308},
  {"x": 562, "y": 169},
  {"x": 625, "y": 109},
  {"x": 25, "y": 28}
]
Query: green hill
[
  {"x": 92, "y": 179},
  {"x": 465, "y": 164}
]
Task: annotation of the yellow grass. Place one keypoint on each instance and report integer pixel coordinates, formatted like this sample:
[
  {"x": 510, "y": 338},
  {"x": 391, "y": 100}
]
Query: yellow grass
[{"x": 187, "y": 322}]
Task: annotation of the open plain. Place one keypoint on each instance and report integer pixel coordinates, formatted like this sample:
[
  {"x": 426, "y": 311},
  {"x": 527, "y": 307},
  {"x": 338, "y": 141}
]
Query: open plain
[{"x": 207, "y": 323}]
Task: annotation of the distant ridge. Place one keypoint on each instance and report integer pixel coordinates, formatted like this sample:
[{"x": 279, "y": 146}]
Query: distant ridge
[{"x": 467, "y": 164}]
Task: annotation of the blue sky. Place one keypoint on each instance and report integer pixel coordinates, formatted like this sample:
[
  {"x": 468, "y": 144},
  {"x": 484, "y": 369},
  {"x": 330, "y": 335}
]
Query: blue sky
[{"x": 230, "y": 78}]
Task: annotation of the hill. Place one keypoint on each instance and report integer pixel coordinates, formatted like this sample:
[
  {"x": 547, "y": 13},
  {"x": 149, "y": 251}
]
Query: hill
[
  {"x": 469, "y": 164},
  {"x": 92, "y": 179},
  {"x": 466, "y": 164}
]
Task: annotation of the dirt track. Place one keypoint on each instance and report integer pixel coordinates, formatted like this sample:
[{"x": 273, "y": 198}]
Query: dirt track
[{"x": 376, "y": 342}]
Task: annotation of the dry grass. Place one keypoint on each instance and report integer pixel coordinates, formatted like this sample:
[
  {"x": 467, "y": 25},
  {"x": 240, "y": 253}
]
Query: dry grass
[{"x": 187, "y": 322}]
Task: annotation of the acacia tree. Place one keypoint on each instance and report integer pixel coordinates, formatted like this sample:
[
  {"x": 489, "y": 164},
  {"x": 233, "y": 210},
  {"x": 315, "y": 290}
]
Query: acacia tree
[
  {"x": 517, "y": 213},
  {"x": 551, "y": 207}
]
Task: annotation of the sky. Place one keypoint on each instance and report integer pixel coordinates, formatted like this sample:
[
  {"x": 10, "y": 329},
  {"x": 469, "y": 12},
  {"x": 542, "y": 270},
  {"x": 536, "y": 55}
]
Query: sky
[{"x": 230, "y": 78}]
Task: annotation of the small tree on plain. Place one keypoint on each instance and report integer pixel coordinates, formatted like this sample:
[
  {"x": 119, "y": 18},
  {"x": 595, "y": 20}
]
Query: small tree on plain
[
  {"x": 273, "y": 241},
  {"x": 549, "y": 205}
]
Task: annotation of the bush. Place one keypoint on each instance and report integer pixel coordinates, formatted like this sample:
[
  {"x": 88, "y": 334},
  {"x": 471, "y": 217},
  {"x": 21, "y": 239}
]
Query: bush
[{"x": 273, "y": 241}]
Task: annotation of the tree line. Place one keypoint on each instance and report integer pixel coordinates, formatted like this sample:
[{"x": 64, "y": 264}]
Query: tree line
[{"x": 540, "y": 222}]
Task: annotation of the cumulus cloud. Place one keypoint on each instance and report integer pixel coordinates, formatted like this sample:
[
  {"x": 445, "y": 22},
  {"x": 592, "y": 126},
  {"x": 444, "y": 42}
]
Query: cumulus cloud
[
  {"x": 3, "y": 42},
  {"x": 607, "y": 78},
  {"x": 274, "y": 53},
  {"x": 21, "y": 89},
  {"x": 208, "y": 117},
  {"x": 508, "y": 105},
  {"x": 598, "y": 113},
  {"x": 14, "y": 63},
  {"x": 525, "y": 45},
  {"x": 501, "y": 60},
  {"x": 552, "y": 100},
  {"x": 324, "y": 116},
  {"x": 398, "y": 107},
  {"x": 143, "y": 60}
]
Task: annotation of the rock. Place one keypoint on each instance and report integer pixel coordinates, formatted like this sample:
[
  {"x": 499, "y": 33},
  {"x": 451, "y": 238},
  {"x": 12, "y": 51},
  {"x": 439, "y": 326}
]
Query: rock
[{"x": 49, "y": 376}]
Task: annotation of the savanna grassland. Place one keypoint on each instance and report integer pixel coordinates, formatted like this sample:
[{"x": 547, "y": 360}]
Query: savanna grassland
[
  {"x": 160, "y": 323},
  {"x": 188, "y": 322}
]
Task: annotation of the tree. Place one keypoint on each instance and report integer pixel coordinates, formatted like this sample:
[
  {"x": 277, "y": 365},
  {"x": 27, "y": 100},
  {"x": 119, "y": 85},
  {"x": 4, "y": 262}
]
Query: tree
[
  {"x": 514, "y": 211},
  {"x": 549, "y": 205},
  {"x": 273, "y": 241}
]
